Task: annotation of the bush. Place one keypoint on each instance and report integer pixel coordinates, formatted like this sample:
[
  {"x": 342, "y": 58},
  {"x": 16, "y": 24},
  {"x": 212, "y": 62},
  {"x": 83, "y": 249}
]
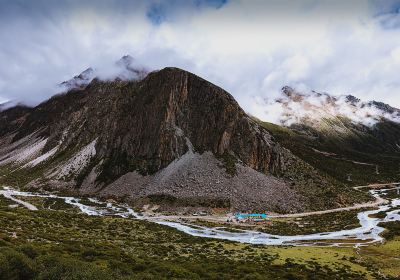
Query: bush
[{"x": 15, "y": 265}]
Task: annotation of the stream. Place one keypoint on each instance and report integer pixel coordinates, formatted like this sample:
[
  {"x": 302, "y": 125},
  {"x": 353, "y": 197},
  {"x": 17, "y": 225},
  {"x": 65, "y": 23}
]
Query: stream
[{"x": 367, "y": 232}]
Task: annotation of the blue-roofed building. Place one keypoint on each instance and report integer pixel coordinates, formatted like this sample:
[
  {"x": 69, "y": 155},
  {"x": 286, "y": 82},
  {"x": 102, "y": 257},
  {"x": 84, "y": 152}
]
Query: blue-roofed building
[{"x": 242, "y": 216}]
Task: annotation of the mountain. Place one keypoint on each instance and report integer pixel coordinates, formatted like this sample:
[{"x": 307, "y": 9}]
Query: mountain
[
  {"x": 171, "y": 138},
  {"x": 6, "y": 104},
  {"x": 81, "y": 80},
  {"x": 125, "y": 68},
  {"x": 313, "y": 107},
  {"x": 343, "y": 136}
]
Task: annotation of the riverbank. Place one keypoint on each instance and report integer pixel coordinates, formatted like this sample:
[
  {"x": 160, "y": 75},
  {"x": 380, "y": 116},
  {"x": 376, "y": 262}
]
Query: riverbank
[
  {"x": 367, "y": 232},
  {"x": 110, "y": 242}
]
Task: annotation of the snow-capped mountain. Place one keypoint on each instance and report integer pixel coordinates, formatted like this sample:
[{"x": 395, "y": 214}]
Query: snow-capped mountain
[
  {"x": 81, "y": 80},
  {"x": 125, "y": 69},
  {"x": 129, "y": 69},
  {"x": 339, "y": 135},
  {"x": 294, "y": 107}
]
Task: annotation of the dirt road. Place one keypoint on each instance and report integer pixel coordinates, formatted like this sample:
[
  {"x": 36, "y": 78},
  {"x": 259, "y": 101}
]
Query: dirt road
[
  {"x": 224, "y": 218},
  {"x": 6, "y": 194},
  {"x": 375, "y": 203}
]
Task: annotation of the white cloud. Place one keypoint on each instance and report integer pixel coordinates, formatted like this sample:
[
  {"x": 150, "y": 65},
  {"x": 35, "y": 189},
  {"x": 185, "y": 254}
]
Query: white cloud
[
  {"x": 312, "y": 108},
  {"x": 250, "y": 48}
]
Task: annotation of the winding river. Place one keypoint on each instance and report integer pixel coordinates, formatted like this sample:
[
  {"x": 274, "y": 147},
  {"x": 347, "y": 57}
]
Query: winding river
[{"x": 367, "y": 232}]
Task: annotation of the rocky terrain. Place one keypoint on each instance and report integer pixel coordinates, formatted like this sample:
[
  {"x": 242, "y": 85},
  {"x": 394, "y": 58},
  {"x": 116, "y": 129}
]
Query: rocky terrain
[{"x": 168, "y": 137}]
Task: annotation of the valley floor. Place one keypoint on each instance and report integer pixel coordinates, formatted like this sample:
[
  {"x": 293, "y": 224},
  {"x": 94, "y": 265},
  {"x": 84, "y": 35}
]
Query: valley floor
[
  {"x": 223, "y": 218},
  {"x": 58, "y": 241}
]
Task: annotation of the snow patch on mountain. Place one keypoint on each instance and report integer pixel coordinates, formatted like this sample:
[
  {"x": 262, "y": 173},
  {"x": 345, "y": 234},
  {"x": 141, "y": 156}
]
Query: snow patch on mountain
[{"x": 294, "y": 107}]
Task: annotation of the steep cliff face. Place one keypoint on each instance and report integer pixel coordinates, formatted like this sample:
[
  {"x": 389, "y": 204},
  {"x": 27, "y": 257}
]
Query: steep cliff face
[
  {"x": 147, "y": 124},
  {"x": 190, "y": 107},
  {"x": 170, "y": 133}
]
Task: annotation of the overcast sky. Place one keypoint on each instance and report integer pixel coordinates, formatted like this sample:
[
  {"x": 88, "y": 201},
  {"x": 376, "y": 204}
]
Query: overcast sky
[{"x": 250, "y": 48}]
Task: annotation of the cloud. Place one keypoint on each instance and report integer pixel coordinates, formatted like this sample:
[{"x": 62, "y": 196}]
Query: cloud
[
  {"x": 312, "y": 108},
  {"x": 250, "y": 48}
]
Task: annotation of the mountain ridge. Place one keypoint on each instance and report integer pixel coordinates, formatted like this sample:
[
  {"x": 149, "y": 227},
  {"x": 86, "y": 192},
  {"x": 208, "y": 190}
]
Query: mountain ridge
[
  {"x": 171, "y": 134},
  {"x": 295, "y": 107}
]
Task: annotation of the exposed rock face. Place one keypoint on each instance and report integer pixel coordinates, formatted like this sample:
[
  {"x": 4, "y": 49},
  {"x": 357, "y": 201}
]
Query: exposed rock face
[
  {"x": 144, "y": 125},
  {"x": 12, "y": 119},
  {"x": 207, "y": 115},
  {"x": 127, "y": 137}
]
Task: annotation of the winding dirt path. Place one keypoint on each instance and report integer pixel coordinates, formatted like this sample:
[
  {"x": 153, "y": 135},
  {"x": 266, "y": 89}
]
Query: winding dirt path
[
  {"x": 375, "y": 203},
  {"x": 378, "y": 201},
  {"x": 223, "y": 219},
  {"x": 7, "y": 194}
]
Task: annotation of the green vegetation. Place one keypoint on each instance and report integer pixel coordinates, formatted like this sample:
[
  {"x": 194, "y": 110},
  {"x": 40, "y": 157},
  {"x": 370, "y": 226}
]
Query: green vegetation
[
  {"x": 55, "y": 244},
  {"x": 49, "y": 203},
  {"x": 298, "y": 226},
  {"x": 383, "y": 259},
  {"x": 392, "y": 229},
  {"x": 379, "y": 215},
  {"x": 340, "y": 154},
  {"x": 317, "y": 177},
  {"x": 229, "y": 162},
  {"x": 391, "y": 194}
]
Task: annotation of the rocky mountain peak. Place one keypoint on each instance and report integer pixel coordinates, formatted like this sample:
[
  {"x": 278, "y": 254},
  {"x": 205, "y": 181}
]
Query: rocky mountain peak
[
  {"x": 126, "y": 60},
  {"x": 81, "y": 80},
  {"x": 171, "y": 132},
  {"x": 125, "y": 68},
  {"x": 352, "y": 99},
  {"x": 171, "y": 108}
]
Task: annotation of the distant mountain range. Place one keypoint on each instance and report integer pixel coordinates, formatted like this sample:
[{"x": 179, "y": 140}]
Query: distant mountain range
[
  {"x": 343, "y": 136},
  {"x": 171, "y": 138},
  {"x": 312, "y": 108}
]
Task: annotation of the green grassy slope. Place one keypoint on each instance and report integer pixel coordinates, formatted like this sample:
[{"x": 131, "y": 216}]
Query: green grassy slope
[{"x": 375, "y": 146}]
